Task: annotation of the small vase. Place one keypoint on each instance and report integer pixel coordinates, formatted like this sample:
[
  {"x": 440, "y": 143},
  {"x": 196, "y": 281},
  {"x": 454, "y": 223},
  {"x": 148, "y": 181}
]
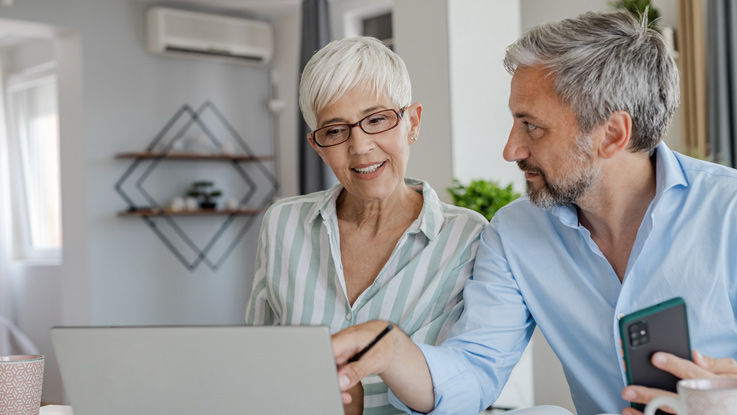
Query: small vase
[
  {"x": 178, "y": 204},
  {"x": 190, "y": 203},
  {"x": 208, "y": 204}
]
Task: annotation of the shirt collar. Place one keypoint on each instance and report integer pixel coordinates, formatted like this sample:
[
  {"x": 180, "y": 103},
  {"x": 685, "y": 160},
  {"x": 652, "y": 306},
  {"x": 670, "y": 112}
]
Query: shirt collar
[
  {"x": 431, "y": 217},
  {"x": 668, "y": 170},
  {"x": 429, "y": 222},
  {"x": 668, "y": 174},
  {"x": 325, "y": 205}
]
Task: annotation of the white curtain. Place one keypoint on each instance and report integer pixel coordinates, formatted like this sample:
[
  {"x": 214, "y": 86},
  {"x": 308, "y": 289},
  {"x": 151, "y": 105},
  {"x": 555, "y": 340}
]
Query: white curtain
[
  {"x": 33, "y": 121},
  {"x": 6, "y": 286}
]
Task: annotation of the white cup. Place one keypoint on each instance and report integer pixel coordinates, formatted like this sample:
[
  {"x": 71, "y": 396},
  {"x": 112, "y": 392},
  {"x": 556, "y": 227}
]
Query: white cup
[{"x": 700, "y": 397}]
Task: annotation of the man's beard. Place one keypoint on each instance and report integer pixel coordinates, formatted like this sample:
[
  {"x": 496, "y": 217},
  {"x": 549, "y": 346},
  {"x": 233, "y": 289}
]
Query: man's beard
[{"x": 568, "y": 189}]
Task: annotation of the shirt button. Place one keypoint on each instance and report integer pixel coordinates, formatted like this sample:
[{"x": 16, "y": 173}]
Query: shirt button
[{"x": 348, "y": 316}]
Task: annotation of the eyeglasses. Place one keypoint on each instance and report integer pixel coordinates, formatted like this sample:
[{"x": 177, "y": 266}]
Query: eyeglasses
[{"x": 378, "y": 122}]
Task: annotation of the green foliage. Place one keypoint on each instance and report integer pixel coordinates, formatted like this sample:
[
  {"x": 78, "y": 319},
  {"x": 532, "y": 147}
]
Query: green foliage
[
  {"x": 203, "y": 190},
  {"x": 203, "y": 184},
  {"x": 485, "y": 197},
  {"x": 637, "y": 8}
]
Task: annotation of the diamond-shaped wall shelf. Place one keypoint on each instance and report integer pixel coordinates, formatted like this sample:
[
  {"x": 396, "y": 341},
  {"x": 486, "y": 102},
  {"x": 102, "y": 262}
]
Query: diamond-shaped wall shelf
[{"x": 191, "y": 252}]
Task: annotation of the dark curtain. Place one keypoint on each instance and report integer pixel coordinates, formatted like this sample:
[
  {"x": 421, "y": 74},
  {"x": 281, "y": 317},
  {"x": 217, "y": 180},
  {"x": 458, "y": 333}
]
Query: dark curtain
[
  {"x": 722, "y": 80},
  {"x": 315, "y": 35}
]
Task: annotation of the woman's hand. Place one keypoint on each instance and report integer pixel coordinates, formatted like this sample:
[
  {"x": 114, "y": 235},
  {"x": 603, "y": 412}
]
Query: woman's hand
[
  {"x": 350, "y": 341},
  {"x": 355, "y": 407},
  {"x": 398, "y": 361},
  {"x": 701, "y": 367}
]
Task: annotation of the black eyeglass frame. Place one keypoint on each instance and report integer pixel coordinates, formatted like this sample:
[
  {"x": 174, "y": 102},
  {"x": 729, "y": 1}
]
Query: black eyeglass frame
[{"x": 399, "y": 115}]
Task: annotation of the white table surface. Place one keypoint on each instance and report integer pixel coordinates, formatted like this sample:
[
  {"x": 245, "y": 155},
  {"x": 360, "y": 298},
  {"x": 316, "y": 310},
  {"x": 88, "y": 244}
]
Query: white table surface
[{"x": 55, "y": 410}]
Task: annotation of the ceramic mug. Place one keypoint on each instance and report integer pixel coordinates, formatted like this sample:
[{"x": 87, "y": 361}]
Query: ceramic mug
[
  {"x": 21, "y": 379},
  {"x": 700, "y": 397}
]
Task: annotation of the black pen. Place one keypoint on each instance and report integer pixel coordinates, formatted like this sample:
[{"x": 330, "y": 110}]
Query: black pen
[{"x": 370, "y": 345}]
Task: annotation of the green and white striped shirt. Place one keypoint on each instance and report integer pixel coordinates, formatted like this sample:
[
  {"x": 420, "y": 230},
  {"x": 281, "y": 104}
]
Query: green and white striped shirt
[{"x": 299, "y": 274}]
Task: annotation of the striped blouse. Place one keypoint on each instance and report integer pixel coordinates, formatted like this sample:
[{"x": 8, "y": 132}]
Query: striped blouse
[{"x": 299, "y": 274}]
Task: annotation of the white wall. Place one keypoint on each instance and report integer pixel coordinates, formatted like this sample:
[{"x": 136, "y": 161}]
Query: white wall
[
  {"x": 421, "y": 39},
  {"x": 74, "y": 290},
  {"x": 129, "y": 96},
  {"x": 480, "y": 31},
  {"x": 454, "y": 52},
  {"x": 115, "y": 98}
]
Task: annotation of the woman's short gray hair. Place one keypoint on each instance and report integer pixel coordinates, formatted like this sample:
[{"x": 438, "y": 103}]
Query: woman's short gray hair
[
  {"x": 346, "y": 63},
  {"x": 604, "y": 63}
]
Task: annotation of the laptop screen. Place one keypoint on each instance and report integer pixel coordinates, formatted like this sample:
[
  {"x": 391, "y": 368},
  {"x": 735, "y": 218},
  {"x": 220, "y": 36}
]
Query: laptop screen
[{"x": 198, "y": 370}]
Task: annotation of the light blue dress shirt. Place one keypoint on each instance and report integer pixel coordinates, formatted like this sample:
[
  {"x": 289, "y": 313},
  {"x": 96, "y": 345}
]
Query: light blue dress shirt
[{"x": 541, "y": 267}]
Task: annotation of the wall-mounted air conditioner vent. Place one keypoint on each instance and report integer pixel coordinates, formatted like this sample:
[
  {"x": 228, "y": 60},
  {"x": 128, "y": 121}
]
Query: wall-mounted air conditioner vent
[{"x": 172, "y": 31}]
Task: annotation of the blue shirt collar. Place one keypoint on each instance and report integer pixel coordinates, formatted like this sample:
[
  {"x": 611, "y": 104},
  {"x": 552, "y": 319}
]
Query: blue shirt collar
[
  {"x": 668, "y": 170},
  {"x": 668, "y": 174}
]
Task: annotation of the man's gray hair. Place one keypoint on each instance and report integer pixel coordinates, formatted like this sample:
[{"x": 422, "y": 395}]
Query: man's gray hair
[{"x": 604, "y": 63}]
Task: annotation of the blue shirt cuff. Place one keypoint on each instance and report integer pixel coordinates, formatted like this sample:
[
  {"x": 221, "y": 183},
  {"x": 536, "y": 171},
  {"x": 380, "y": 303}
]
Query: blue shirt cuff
[{"x": 447, "y": 371}]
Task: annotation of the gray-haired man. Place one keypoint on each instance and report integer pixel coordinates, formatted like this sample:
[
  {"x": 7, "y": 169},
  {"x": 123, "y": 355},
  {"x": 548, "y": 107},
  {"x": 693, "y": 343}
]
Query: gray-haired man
[{"x": 614, "y": 221}]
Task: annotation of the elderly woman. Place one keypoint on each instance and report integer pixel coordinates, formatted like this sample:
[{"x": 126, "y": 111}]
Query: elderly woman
[{"x": 377, "y": 245}]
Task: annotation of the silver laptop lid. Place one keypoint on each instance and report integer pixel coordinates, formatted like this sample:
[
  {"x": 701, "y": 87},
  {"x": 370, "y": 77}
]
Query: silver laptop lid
[{"x": 197, "y": 370}]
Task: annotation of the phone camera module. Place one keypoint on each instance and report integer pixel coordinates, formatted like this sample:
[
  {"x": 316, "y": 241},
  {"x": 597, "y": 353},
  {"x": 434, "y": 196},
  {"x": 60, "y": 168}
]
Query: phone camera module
[{"x": 638, "y": 334}]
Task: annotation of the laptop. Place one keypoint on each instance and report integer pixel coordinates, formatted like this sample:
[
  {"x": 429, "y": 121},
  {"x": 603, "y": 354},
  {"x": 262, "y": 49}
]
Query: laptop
[{"x": 198, "y": 370}]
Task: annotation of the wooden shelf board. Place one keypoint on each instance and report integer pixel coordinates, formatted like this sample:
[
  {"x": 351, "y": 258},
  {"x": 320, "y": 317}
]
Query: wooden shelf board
[
  {"x": 199, "y": 212},
  {"x": 192, "y": 156}
]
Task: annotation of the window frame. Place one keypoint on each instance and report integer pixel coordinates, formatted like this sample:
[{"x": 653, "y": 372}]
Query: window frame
[
  {"x": 22, "y": 246},
  {"x": 352, "y": 16}
]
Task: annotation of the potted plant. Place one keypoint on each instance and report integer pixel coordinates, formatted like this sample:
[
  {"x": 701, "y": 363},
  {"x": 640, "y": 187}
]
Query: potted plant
[
  {"x": 483, "y": 196},
  {"x": 205, "y": 193},
  {"x": 638, "y": 8}
]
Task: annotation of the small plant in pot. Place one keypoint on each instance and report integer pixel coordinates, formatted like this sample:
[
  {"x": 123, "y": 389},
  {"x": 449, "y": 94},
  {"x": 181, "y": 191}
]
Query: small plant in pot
[{"x": 205, "y": 193}]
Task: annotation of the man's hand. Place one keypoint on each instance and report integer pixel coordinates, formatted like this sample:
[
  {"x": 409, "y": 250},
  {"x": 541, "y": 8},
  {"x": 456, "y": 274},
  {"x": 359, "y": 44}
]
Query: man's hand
[
  {"x": 701, "y": 367},
  {"x": 398, "y": 361}
]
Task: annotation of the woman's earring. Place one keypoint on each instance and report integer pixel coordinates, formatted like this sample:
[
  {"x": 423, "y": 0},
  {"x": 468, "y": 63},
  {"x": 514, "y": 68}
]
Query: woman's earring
[{"x": 412, "y": 138}]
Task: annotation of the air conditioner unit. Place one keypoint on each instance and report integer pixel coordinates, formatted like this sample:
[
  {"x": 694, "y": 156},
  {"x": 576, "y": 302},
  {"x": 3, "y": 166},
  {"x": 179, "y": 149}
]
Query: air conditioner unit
[{"x": 183, "y": 32}]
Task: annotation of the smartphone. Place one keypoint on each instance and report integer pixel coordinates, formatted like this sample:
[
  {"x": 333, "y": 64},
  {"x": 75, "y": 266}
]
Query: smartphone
[{"x": 662, "y": 327}]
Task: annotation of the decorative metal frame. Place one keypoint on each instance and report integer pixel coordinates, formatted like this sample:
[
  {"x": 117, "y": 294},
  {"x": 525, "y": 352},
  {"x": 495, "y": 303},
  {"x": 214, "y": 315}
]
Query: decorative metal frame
[{"x": 195, "y": 117}]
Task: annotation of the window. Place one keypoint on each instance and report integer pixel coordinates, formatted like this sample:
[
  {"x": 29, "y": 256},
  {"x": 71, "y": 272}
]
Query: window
[
  {"x": 379, "y": 27},
  {"x": 373, "y": 18},
  {"x": 33, "y": 149}
]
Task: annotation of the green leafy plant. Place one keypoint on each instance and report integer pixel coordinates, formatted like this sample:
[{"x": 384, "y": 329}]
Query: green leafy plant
[
  {"x": 483, "y": 196},
  {"x": 205, "y": 194},
  {"x": 638, "y": 8}
]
